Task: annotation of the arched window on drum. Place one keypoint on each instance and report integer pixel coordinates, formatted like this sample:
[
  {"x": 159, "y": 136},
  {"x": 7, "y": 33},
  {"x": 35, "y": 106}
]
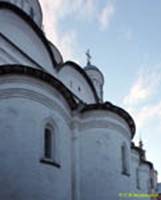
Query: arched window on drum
[
  {"x": 125, "y": 160},
  {"x": 49, "y": 146}
]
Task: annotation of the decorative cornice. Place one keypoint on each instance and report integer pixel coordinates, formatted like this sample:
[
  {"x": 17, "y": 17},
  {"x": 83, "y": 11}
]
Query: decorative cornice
[
  {"x": 107, "y": 106},
  {"x": 106, "y": 125},
  {"x": 38, "y": 74},
  {"x": 37, "y": 97},
  {"x": 148, "y": 163}
]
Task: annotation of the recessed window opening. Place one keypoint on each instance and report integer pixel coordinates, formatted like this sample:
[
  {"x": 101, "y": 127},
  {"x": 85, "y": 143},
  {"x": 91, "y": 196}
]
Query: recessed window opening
[
  {"x": 125, "y": 160},
  {"x": 48, "y": 143}
]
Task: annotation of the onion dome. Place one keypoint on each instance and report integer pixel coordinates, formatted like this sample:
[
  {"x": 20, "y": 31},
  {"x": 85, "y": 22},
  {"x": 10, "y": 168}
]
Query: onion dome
[{"x": 96, "y": 76}]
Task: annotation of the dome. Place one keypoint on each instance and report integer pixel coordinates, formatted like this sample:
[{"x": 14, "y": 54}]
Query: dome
[
  {"x": 95, "y": 75},
  {"x": 89, "y": 68},
  {"x": 94, "y": 68},
  {"x": 30, "y": 7}
]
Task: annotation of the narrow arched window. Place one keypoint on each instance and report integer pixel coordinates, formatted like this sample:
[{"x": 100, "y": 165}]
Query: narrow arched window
[
  {"x": 151, "y": 182},
  {"x": 125, "y": 160},
  {"x": 48, "y": 143},
  {"x": 49, "y": 150},
  {"x": 137, "y": 178}
]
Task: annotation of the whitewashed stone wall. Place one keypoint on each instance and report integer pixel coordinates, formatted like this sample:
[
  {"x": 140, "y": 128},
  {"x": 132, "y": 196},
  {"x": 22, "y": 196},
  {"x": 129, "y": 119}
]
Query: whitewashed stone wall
[
  {"x": 26, "y": 105},
  {"x": 76, "y": 83},
  {"x": 25, "y": 39},
  {"x": 88, "y": 145},
  {"x": 26, "y": 6},
  {"x": 101, "y": 135}
]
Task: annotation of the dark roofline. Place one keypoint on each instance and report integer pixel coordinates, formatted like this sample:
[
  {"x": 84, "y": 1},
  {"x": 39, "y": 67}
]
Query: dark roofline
[
  {"x": 32, "y": 24},
  {"x": 139, "y": 150},
  {"x": 133, "y": 146},
  {"x": 57, "y": 51},
  {"x": 148, "y": 163},
  {"x": 43, "y": 76},
  {"x": 107, "y": 106},
  {"x": 83, "y": 73},
  {"x": 22, "y": 52}
]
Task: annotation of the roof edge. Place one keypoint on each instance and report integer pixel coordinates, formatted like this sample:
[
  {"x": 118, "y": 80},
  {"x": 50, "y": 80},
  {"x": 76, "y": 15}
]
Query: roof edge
[
  {"x": 107, "y": 106},
  {"x": 38, "y": 74},
  {"x": 142, "y": 161}
]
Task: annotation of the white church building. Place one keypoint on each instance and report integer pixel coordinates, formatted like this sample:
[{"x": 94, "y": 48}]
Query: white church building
[{"x": 59, "y": 139}]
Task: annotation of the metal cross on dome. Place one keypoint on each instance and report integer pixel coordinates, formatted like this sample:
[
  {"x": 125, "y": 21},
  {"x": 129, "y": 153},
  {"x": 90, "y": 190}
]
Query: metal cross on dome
[{"x": 88, "y": 57}]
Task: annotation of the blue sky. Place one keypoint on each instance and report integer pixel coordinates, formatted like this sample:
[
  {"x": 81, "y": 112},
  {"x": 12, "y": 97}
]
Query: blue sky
[{"x": 124, "y": 37}]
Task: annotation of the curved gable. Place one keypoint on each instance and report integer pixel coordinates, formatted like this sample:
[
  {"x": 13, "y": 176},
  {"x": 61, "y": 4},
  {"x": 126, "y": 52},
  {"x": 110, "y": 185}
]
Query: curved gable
[
  {"x": 57, "y": 54},
  {"x": 74, "y": 77},
  {"x": 27, "y": 36}
]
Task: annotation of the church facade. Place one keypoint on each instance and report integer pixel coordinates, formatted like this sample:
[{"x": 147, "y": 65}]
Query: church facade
[{"x": 59, "y": 139}]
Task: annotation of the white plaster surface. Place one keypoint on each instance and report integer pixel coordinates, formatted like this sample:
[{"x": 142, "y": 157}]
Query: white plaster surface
[{"x": 88, "y": 145}]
